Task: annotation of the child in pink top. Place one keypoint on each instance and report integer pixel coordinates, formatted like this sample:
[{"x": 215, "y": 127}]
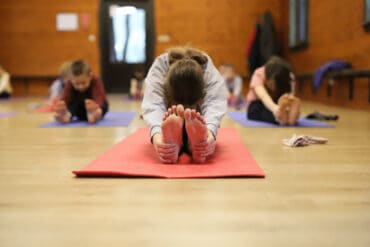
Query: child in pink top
[{"x": 271, "y": 94}]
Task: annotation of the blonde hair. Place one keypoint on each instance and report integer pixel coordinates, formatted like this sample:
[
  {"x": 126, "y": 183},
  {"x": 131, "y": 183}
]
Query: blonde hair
[{"x": 65, "y": 69}]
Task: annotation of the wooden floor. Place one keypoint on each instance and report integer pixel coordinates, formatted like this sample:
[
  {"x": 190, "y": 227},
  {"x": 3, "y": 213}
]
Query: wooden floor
[{"x": 311, "y": 196}]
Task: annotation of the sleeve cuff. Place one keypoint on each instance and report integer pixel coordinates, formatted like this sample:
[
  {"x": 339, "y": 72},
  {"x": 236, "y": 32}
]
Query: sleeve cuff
[
  {"x": 154, "y": 130},
  {"x": 213, "y": 129}
]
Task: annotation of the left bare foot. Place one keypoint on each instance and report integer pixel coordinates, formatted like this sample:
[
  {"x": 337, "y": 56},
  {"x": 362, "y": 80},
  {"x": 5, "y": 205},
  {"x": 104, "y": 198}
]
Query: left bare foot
[
  {"x": 172, "y": 130},
  {"x": 295, "y": 105},
  {"x": 62, "y": 114},
  {"x": 94, "y": 112},
  {"x": 196, "y": 129}
]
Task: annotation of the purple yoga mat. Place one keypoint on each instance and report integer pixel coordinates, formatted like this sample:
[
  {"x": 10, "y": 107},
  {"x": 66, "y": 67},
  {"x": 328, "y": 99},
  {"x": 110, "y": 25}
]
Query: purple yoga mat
[
  {"x": 127, "y": 99},
  {"x": 12, "y": 98},
  {"x": 111, "y": 119},
  {"x": 7, "y": 114},
  {"x": 241, "y": 118}
]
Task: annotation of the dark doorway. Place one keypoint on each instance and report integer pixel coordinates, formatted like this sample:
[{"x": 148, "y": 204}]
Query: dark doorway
[{"x": 126, "y": 30}]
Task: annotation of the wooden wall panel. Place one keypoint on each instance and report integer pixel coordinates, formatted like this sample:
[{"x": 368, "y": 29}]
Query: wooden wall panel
[
  {"x": 30, "y": 43},
  {"x": 335, "y": 32},
  {"x": 221, "y": 28}
]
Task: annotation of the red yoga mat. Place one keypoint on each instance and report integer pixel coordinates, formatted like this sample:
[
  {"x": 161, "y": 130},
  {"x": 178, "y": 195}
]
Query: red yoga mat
[
  {"x": 135, "y": 157},
  {"x": 43, "y": 109}
]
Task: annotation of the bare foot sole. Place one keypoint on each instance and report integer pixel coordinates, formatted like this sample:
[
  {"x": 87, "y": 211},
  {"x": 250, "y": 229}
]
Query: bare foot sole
[
  {"x": 196, "y": 130},
  {"x": 62, "y": 114},
  {"x": 94, "y": 116},
  {"x": 284, "y": 105},
  {"x": 65, "y": 118},
  {"x": 295, "y": 105},
  {"x": 172, "y": 130},
  {"x": 94, "y": 112}
]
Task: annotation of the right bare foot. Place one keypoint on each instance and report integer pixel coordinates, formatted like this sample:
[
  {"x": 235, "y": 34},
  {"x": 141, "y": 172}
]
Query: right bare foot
[
  {"x": 172, "y": 129},
  {"x": 62, "y": 114},
  {"x": 196, "y": 130},
  {"x": 295, "y": 105}
]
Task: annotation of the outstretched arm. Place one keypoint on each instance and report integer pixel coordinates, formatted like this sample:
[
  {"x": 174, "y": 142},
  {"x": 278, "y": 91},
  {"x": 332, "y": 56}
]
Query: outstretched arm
[
  {"x": 153, "y": 107},
  {"x": 214, "y": 106},
  {"x": 266, "y": 99}
]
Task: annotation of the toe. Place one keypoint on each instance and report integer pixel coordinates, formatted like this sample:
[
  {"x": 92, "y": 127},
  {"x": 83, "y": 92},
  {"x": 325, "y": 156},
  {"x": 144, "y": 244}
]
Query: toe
[
  {"x": 180, "y": 110},
  {"x": 173, "y": 108},
  {"x": 187, "y": 115},
  {"x": 193, "y": 114}
]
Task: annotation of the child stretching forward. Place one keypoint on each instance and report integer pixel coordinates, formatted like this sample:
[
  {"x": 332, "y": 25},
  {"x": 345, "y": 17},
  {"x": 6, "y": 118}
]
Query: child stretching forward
[
  {"x": 270, "y": 97},
  {"x": 83, "y": 96},
  {"x": 183, "y": 104}
]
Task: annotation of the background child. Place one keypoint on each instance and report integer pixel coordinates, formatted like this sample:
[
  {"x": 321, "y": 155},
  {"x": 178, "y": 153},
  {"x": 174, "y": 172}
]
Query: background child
[
  {"x": 234, "y": 84},
  {"x": 137, "y": 86},
  {"x": 183, "y": 104},
  {"x": 57, "y": 86},
  {"x": 270, "y": 97},
  {"x": 5, "y": 86},
  {"x": 83, "y": 96}
]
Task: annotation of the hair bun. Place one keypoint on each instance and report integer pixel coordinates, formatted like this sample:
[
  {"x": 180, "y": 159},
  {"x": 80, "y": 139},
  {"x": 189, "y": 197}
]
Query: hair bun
[{"x": 182, "y": 53}]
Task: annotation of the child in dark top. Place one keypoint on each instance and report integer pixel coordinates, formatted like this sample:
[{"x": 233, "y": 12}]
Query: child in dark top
[{"x": 83, "y": 96}]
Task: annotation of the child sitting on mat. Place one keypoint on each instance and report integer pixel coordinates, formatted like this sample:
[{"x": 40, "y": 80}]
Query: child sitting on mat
[
  {"x": 137, "y": 84},
  {"x": 83, "y": 96},
  {"x": 183, "y": 104},
  {"x": 5, "y": 86},
  {"x": 234, "y": 84},
  {"x": 270, "y": 97},
  {"x": 56, "y": 88}
]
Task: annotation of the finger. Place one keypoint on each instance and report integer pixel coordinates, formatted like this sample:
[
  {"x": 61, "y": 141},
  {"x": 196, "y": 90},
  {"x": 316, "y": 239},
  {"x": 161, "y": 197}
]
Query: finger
[
  {"x": 201, "y": 154},
  {"x": 205, "y": 149},
  {"x": 206, "y": 153},
  {"x": 199, "y": 150},
  {"x": 166, "y": 145},
  {"x": 166, "y": 161},
  {"x": 167, "y": 151},
  {"x": 201, "y": 118},
  {"x": 201, "y": 144},
  {"x": 170, "y": 157}
]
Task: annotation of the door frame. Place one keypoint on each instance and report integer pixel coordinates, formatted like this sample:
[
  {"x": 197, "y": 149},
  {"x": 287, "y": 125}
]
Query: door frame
[{"x": 104, "y": 36}]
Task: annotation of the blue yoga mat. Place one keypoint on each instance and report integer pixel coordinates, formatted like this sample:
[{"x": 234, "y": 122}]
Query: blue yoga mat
[
  {"x": 7, "y": 114},
  {"x": 111, "y": 119},
  {"x": 241, "y": 118}
]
